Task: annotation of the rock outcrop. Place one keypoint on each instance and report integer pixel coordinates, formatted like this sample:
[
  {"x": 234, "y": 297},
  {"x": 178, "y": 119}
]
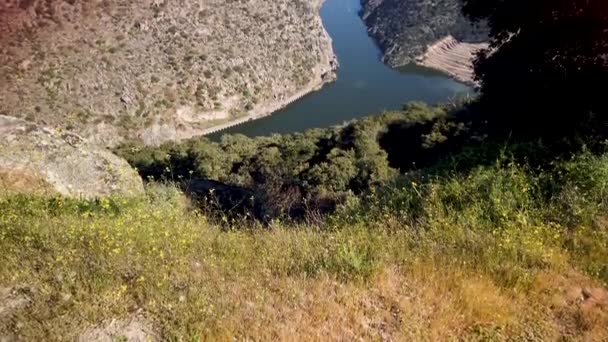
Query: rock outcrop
[
  {"x": 157, "y": 70},
  {"x": 406, "y": 30},
  {"x": 43, "y": 161}
]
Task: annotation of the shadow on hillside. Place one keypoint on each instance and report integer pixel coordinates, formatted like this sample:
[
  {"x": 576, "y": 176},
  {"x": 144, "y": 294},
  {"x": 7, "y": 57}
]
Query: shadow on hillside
[
  {"x": 452, "y": 141},
  {"x": 259, "y": 204}
]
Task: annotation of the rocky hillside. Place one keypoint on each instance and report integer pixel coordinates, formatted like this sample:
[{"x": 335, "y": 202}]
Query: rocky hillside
[
  {"x": 404, "y": 29},
  {"x": 43, "y": 161},
  {"x": 156, "y": 69}
]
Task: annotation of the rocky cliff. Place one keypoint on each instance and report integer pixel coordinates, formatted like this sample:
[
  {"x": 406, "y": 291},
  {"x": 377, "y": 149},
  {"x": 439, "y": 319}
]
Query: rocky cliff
[
  {"x": 43, "y": 161},
  {"x": 156, "y": 69},
  {"x": 404, "y": 29}
]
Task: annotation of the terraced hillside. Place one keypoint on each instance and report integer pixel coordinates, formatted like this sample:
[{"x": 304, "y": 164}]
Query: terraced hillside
[
  {"x": 157, "y": 70},
  {"x": 405, "y": 29}
]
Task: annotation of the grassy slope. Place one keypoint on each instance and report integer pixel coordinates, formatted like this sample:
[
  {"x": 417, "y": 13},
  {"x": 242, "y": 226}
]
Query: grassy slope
[{"x": 476, "y": 256}]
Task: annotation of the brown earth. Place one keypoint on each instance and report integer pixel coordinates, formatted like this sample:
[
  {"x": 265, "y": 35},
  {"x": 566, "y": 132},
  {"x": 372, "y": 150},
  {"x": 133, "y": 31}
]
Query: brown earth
[
  {"x": 157, "y": 70},
  {"x": 452, "y": 57}
]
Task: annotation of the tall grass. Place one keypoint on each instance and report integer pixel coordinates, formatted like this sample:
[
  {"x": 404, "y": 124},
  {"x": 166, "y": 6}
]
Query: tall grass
[{"x": 492, "y": 254}]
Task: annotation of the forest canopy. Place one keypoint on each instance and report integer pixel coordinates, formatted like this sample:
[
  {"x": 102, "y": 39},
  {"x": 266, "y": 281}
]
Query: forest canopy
[
  {"x": 541, "y": 99},
  {"x": 298, "y": 174}
]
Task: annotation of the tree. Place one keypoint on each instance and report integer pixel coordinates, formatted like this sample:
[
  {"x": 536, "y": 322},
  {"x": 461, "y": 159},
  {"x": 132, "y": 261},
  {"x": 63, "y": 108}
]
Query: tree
[
  {"x": 546, "y": 67},
  {"x": 335, "y": 174}
]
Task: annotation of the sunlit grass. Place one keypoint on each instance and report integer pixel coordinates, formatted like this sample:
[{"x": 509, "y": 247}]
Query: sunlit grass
[{"x": 480, "y": 256}]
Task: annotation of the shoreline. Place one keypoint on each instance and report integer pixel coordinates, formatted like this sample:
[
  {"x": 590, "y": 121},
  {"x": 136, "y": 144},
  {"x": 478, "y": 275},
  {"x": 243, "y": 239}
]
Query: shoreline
[
  {"x": 453, "y": 58},
  {"x": 323, "y": 73},
  {"x": 269, "y": 109}
]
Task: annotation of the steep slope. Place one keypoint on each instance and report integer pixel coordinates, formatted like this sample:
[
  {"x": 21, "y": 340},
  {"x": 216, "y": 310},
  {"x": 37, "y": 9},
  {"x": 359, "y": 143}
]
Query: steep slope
[
  {"x": 405, "y": 30},
  {"x": 157, "y": 69},
  {"x": 453, "y": 57}
]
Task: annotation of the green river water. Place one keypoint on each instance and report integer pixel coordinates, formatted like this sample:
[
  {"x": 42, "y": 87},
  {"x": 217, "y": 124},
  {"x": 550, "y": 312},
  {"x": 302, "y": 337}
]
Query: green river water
[{"x": 364, "y": 86}]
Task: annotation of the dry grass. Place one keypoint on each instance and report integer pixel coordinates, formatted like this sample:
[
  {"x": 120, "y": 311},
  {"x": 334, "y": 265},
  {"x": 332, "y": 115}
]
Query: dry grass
[
  {"x": 85, "y": 263},
  {"x": 473, "y": 257}
]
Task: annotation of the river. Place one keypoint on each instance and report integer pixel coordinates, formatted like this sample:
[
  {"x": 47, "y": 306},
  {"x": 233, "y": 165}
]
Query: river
[{"x": 364, "y": 86}]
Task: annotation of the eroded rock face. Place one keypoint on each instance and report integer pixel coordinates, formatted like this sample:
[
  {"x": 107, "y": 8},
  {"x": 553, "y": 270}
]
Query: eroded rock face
[
  {"x": 43, "y": 161},
  {"x": 405, "y": 29}
]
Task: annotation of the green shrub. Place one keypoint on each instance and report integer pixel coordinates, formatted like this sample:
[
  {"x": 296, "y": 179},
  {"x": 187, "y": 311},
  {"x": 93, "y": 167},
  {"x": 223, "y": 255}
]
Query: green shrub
[{"x": 92, "y": 261}]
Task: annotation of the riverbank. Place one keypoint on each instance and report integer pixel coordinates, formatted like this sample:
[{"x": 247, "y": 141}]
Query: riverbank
[
  {"x": 322, "y": 73},
  {"x": 452, "y": 57},
  {"x": 157, "y": 71},
  {"x": 405, "y": 29},
  {"x": 364, "y": 84},
  {"x": 268, "y": 109}
]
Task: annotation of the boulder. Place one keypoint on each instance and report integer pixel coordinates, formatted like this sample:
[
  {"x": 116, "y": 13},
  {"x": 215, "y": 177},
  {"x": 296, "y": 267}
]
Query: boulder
[{"x": 43, "y": 161}]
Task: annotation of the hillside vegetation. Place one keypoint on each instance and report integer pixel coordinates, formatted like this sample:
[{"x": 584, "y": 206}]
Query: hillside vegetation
[
  {"x": 158, "y": 70},
  {"x": 405, "y": 29},
  {"x": 457, "y": 237},
  {"x": 500, "y": 252},
  {"x": 304, "y": 174},
  {"x": 485, "y": 220}
]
